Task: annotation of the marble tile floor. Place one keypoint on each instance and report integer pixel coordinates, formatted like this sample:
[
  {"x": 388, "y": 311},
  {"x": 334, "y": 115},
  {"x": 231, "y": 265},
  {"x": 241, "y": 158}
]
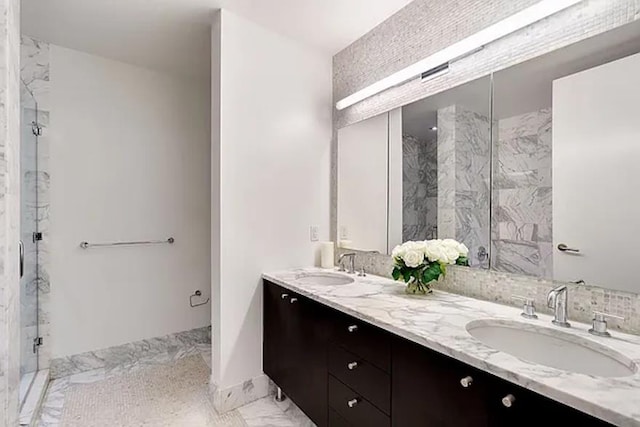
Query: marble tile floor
[{"x": 262, "y": 413}]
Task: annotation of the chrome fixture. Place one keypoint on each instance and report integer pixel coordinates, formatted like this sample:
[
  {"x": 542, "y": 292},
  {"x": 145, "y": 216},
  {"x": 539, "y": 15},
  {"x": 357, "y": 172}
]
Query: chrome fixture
[
  {"x": 466, "y": 382},
  {"x": 508, "y": 400},
  {"x": 557, "y": 299},
  {"x": 197, "y": 293},
  {"x": 352, "y": 262},
  {"x": 528, "y": 308},
  {"x": 362, "y": 272},
  {"x": 564, "y": 248},
  {"x": 599, "y": 326},
  {"x": 352, "y": 403},
  {"x": 280, "y": 395},
  {"x": 352, "y": 328},
  {"x": 352, "y": 365},
  {"x": 87, "y": 245},
  {"x": 483, "y": 255}
]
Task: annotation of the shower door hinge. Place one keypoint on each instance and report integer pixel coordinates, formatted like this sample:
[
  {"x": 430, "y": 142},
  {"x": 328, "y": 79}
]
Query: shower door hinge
[
  {"x": 37, "y": 342},
  {"x": 37, "y": 236}
]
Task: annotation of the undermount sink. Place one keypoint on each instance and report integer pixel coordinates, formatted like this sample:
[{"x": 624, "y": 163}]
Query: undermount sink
[
  {"x": 551, "y": 347},
  {"x": 328, "y": 279}
]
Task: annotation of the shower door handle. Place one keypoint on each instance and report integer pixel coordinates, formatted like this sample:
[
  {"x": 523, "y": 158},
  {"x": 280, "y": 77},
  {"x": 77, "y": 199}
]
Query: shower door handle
[{"x": 21, "y": 258}]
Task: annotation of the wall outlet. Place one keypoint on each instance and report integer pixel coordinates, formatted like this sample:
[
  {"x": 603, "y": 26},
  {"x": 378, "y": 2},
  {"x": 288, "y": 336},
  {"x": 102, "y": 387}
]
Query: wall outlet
[
  {"x": 344, "y": 232},
  {"x": 314, "y": 233}
]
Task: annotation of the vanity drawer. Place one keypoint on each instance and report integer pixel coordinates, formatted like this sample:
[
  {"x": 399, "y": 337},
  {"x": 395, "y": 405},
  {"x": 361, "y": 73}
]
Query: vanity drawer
[
  {"x": 365, "y": 341},
  {"x": 360, "y": 413},
  {"x": 363, "y": 377}
]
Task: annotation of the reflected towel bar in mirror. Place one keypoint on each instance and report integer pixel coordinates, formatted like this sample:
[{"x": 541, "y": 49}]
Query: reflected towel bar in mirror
[{"x": 87, "y": 245}]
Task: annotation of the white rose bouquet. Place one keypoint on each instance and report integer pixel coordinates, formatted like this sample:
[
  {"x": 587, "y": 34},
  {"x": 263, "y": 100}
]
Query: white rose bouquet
[{"x": 420, "y": 263}]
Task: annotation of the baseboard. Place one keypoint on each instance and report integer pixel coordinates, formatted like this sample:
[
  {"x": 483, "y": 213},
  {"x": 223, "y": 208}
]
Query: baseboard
[
  {"x": 182, "y": 342},
  {"x": 230, "y": 398}
]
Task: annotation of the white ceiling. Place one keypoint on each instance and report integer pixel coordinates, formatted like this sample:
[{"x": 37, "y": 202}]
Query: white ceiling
[{"x": 173, "y": 35}]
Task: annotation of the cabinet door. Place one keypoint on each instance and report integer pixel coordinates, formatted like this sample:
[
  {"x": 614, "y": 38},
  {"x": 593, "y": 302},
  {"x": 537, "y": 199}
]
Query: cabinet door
[
  {"x": 276, "y": 330},
  {"x": 426, "y": 390},
  {"x": 295, "y": 349},
  {"x": 525, "y": 408},
  {"x": 307, "y": 350}
]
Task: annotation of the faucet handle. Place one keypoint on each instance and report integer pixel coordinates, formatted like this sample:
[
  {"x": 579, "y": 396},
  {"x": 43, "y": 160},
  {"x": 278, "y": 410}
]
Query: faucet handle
[
  {"x": 599, "y": 327},
  {"x": 528, "y": 308},
  {"x": 362, "y": 272}
]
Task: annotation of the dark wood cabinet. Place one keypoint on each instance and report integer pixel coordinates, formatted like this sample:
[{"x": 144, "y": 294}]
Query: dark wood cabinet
[
  {"x": 296, "y": 333},
  {"x": 310, "y": 349},
  {"x": 427, "y": 390}
]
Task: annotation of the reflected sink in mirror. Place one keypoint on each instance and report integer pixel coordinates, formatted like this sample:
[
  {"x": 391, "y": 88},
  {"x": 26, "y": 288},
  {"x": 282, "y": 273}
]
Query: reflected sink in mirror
[
  {"x": 328, "y": 279},
  {"x": 551, "y": 347}
]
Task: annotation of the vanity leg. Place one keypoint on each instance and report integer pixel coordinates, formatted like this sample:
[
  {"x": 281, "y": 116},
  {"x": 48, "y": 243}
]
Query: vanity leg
[{"x": 280, "y": 395}]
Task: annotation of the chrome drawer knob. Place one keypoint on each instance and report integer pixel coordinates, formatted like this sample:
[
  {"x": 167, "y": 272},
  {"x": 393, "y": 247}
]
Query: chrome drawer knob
[
  {"x": 352, "y": 365},
  {"x": 466, "y": 382},
  {"x": 292, "y": 300},
  {"x": 352, "y": 403},
  {"x": 352, "y": 328},
  {"x": 508, "y": 400},
  {"x": 284, "y": 296}
]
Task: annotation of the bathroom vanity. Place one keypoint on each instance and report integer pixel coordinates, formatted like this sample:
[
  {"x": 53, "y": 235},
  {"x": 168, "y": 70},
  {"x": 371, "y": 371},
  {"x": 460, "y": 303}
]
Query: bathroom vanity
[{"x": 362, "y": 353}]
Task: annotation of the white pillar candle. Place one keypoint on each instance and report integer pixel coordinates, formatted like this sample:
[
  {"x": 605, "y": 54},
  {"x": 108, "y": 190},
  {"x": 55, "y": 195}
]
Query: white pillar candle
[{"x": 326, "y": 255}]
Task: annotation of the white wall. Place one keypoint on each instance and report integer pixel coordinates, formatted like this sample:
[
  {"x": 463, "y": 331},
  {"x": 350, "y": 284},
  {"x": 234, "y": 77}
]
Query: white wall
[
  {"x": 595, "y": 174},
  {"x": 363, "y": 161},
  {"x": 129, "y": 161},
  {"x": 274, "y": 177}
]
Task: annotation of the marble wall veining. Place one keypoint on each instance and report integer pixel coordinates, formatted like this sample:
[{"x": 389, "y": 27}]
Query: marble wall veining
[
  {"x": 9, "y": 210},
  {"x": 419, "y": 188},
  {"x": 522, "y": 211},
  {"x": 464, "y": 147}
]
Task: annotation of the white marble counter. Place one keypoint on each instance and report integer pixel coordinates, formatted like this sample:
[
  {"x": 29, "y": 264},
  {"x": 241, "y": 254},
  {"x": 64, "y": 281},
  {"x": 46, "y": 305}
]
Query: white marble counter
[{"x": 438, "y": 322}]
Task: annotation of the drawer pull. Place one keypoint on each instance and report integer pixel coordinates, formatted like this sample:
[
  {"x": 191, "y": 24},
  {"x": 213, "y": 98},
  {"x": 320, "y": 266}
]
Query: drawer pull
[
  {"x": 466, "y": 382},
  {"x": 508, "y": 400},
  {"x": 293, "y": 300},
  {"x": 352, "y": 365},
  {"x": 284, "y": 296},
  {"x": 352, "y": 403},
  {"x": 352, "y": 328}
]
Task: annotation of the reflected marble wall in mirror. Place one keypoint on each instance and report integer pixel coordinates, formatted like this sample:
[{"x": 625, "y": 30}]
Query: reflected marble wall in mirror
[
  {"x": 565, "y": 151},
  {"x": 419, "y": 172}
]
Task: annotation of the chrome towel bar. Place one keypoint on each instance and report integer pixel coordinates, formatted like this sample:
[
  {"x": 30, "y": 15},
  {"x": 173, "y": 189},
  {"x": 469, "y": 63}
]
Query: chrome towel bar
[{"x": 87, "y": 245}]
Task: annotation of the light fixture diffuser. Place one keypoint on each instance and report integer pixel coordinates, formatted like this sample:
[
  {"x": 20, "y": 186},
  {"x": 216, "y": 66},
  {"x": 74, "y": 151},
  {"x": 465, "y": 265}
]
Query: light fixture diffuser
[{"x": 522, "y": 19}]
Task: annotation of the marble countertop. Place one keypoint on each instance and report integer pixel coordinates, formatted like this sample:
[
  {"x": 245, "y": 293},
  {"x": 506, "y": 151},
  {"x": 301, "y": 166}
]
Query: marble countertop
[{"x": 438, "y": 321}]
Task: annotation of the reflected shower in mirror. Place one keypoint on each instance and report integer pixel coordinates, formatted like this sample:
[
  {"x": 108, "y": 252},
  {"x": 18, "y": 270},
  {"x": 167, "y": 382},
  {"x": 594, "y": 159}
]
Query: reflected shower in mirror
[{"x": 446, "y": 163}]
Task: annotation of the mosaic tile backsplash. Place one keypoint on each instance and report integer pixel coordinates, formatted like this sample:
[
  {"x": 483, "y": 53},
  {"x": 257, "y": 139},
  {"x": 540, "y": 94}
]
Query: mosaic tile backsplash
[{"x": 500, "y": 287}]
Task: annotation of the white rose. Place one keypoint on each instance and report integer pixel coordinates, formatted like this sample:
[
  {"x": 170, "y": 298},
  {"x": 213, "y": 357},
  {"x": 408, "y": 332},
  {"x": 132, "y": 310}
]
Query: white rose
[
  {"x": 413, "y": 258},
  {"x": 449, "y": 255},
  {"x": 463, "y": 250},
  {"x": 398, "y": 251},
  {"x": 433, "y": 250}
]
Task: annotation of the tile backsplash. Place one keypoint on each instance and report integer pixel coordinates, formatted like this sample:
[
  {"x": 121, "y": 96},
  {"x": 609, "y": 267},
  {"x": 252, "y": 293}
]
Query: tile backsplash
[{"x": 500, "y": 287}]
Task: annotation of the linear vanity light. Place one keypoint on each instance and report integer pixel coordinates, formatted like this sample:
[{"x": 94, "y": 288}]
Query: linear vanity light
[{"x": 520, "y": 20}]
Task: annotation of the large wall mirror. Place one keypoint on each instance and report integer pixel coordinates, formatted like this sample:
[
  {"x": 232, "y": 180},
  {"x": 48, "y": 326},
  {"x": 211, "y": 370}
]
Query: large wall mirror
[{"x": 534, "y": 167}]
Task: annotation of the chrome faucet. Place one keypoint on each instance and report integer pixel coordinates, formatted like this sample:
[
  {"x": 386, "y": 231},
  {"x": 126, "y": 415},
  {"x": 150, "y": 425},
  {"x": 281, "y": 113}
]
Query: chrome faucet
[
  {"x": 557, "y": 299},
  {"x": 352, "y": 263}
]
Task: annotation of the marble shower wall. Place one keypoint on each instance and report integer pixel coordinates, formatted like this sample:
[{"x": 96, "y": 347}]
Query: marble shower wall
[
  {"x": 35, "y": 65},
  {"x": 464, "y": 165},
  {"x": 522, "y": 218},
  {"x": 419, "y": 188},
  {"x": 9, "y": 210}
]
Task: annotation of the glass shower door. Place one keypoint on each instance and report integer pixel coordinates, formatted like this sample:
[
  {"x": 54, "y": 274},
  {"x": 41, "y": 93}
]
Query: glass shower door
[{"x": 30, "y": 131}]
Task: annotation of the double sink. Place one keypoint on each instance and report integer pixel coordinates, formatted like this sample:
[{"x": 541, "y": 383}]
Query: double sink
[{"x": 527, "y": 341}]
